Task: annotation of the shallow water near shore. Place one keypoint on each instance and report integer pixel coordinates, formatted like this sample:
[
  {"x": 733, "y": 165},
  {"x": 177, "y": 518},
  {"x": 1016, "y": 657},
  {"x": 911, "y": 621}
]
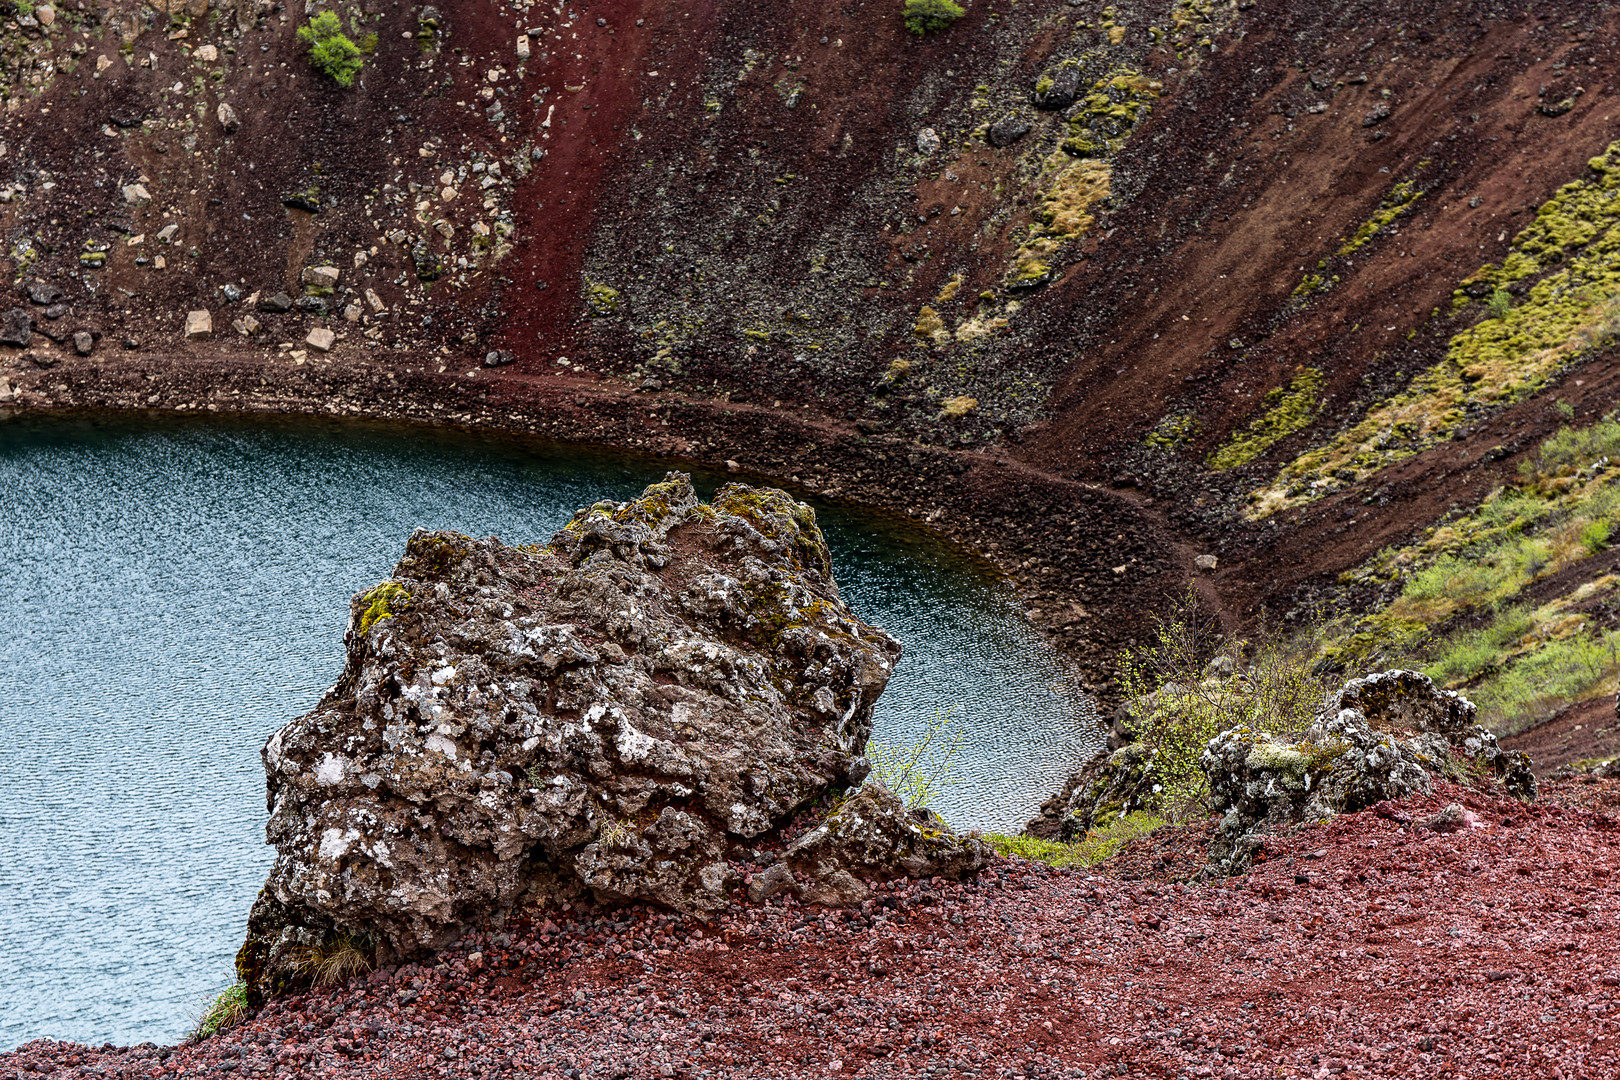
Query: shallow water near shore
[{"x": 177, "y": 589}]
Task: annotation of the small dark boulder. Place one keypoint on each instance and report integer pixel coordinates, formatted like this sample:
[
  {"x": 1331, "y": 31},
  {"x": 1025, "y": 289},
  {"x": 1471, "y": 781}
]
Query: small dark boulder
[
  {"x": 276, "y": 303},
  {"x": 1008, "y": 130},
  {"x": 1377, "y": 115},
  {"x": 312, "y": 305},
  {"x": 84, "y": 343},
  {"x": 1057, "y": 89},
  {"x": 16, "y": 328},
  {"x": 308, "y": 201},
  {"x": 43, "y": 292},
  {"x": 498, "y": 358},
  {"x": 56, "y": 311}
]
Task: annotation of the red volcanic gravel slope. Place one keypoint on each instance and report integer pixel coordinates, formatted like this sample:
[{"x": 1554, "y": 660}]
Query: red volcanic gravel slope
[{"x": 1368, "y": 946}]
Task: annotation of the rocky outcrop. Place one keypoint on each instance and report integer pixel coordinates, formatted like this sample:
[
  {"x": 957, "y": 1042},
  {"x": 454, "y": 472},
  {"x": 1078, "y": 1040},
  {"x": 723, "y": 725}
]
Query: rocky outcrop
[
  {"x": 608, "y": 713},
  {"x": 1111, "y": 785},
  {"x": 871, "y": 837},
  {"x": 1383, "y": 737}
]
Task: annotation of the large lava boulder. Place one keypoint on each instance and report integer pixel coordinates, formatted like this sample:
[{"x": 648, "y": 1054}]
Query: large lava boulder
[
  {"x": 1382, "y": 737},
  {"x": 608, "y": 713}
]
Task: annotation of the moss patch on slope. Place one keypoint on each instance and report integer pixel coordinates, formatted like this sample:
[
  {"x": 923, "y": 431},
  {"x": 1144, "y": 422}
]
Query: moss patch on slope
[{"x": 1502, "y": 359}]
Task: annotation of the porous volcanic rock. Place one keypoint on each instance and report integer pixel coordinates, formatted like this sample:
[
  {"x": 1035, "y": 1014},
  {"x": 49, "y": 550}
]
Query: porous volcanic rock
[
  {"x": 606, "y": 713},
  {"x": 1112, "y": 784},
  {"x": 1382, "y": 737},
  {"x": 873, "y": 837}
]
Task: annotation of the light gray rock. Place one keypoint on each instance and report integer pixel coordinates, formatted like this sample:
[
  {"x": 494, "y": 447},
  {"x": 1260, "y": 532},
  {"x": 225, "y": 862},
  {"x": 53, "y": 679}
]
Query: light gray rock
[
  {"x": 607, "y": 713},
  {"x": 1385, "y": 736}
]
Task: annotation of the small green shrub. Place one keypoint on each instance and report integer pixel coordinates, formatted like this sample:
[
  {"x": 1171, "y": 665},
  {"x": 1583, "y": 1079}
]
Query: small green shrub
[
  {"x": 1277, "y": 692},
  {"x": 1595, "y": 537},
  {"x": 225, "y": 1011},
  {"x": 1500, "y": 303},
  {"x": 921, "y": 771},
  {"x": 330, "y": 50},
  {"x": 1098, "y": 844},
  {"x": 930, "y": 16}
]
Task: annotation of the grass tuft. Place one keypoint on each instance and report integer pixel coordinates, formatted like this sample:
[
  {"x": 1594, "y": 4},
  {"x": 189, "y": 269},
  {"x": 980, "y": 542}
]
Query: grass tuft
[
  {"x": 225, "y": 1011},
  {"x": 336, "y": 960},
  {"x": 1098, "y": 844}
]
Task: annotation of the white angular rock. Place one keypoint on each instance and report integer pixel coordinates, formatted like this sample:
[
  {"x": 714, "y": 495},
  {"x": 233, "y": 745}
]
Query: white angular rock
[
  {"x": 208, "y": 54},
  {"x": 321, "y": 339},
  {"x": 136, "y": 193},
  {"x": 353, "y": 311},
  {"x": 166, "y": 234},
  {"x": 523, "y": 46},
  {"x": 375, "y": 301},
  {"x": 227, "y": 117},
  {"x": 199, "y": 325}
]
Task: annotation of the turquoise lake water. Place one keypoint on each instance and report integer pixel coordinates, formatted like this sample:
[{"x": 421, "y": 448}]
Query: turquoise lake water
[{"x": 177, "y": 590}]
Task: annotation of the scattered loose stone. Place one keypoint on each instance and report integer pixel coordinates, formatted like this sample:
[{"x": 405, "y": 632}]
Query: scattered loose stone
[
  {"x": 927, "y": 141},
  {"x": 321, "y": 339},
  {"x": 84, "y": 342},
  {"x": 16, "y": 328},
  {"x": 1008, "y": 130},
  {"x": 227, "y": 117},
  {"x": 322, "y": 277},
  {"x": 498, "y": 358},
  {"x": 1205, "y": 562},
  {"x": 199, "y": 325}
]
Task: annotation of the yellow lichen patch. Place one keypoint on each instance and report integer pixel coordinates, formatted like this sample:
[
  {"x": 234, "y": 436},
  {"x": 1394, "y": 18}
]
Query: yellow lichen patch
[
  {"x": 930, "y": 326},
  {"x": 1516, "y": 352},
  {"x": 948, "y": 291},
  {"x": 1399, "y": 200},
  {"x": 1287, "y": 410},
  {"x": 898, "y": 369},
  {"x": 1063, "y": 214},
  {"x": 957, "y": 407},
  {"x": 382, "y": 602},
  {"x": 1171, "y": 431},
  {"x": 983, "y": 324}
]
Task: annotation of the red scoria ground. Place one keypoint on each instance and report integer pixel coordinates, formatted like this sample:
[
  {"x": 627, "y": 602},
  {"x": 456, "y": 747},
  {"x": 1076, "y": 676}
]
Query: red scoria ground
[{"x": 1367, "y": 946}]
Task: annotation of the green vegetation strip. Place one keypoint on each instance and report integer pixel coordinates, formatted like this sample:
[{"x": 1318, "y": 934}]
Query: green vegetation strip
[
  {"x": 1519, "y": 661},
  {"x": 1287, "y": 410},
  {"x": 1513, "y": 353},
  {"x": 1098, "y": 844}
]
